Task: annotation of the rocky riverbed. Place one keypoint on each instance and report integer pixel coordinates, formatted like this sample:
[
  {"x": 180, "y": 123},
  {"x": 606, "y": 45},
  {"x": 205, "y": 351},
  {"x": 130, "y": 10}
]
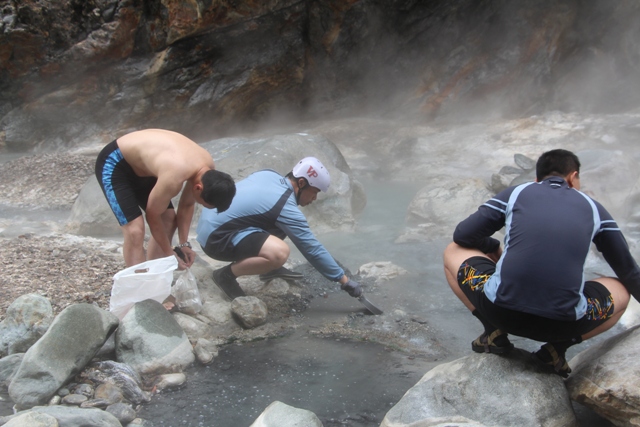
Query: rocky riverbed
[{"x": 423, "y": 325}]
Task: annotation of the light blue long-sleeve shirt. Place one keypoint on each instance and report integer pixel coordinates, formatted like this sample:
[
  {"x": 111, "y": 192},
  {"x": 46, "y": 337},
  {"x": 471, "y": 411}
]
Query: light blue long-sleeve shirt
[{"x": 264, "y": 201}]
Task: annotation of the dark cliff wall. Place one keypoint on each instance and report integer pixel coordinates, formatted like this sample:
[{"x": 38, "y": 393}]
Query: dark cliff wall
[{"x": 77, "y": 70}]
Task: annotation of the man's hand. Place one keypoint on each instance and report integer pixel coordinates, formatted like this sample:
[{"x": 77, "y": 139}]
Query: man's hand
[
  {"x": 352, "y": 287},
  {"x": 185, "y": 256}
]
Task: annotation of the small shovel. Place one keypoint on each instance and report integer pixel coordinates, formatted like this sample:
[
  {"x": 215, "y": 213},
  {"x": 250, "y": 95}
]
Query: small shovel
[{"x": 372, "y": 308}]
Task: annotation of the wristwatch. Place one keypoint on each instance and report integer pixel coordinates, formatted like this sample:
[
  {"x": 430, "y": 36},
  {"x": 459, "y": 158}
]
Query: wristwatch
[{"x": 185, "y": 244}]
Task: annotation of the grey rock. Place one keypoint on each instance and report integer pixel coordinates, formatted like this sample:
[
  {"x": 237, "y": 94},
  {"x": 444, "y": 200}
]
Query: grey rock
[
  {"x": 436, "y": 209},
  {"x": 529, "y": 176},
  {"x": 32, "y": 419},
  {"x": 604, "y": 378},
  {"x": 524, "y": 162},
  {"x": 84, "y": 389},
  {"x": 485, "y": 388},
  {"x": 118, "y": 374},
  {"x": 109, "y": 392},
  {"x": 140, "y": 422},
  {"x": 169, "y": 381},
  {"x": 279, "y": 414},
  {"x": 151, "y": 341},
  {"x": 8, "y": 367},
  {"x": 27, "y": 319},
  {"x": 123, "y": 412},
  {"x": 510, "y": 170},
  {"x": 72, "y": 416},
  {"x": 74, "y": 399},
  {"x": 251, "y": 312},
  {"x": 193, "y": 327},
  {"x": 205, "y": 351},
  {"x": 71, "y": 341}
]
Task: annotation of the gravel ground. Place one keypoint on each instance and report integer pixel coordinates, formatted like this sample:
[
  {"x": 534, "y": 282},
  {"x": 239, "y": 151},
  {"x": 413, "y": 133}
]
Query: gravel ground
[
  {"x": 66, "y": 269},
  {"x": 51, "y": 180}
]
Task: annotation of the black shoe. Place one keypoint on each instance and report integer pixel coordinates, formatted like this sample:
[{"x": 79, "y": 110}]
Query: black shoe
[
  {"x": 282, "y": 273},
  {"x": 550, "y": 358},
  {"x": 227, "y": 283},
  {"x": 486, "y": 343}
]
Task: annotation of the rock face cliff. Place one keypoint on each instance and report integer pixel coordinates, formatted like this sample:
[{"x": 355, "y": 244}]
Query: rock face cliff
[{"x": 91, "y": 70}]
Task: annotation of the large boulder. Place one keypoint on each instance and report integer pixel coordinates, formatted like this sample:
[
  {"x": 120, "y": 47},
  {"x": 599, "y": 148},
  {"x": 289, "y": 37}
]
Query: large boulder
[
  {"x": 27, "y": 319},
  {"x": 91, "y": 214},
  {"x": 334, "y": 210},
  {"x": 436, "y": 210},
  {"x": 605, "y": 378},
  {"x": 486, "y": 389},
  {"x": 151, "y": 341},
  {"x": 72, "y": 340}
]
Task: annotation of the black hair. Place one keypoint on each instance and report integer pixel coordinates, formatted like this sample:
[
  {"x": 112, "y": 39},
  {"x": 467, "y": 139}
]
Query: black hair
[
  {"x": 218, "y": 189},
  {"x": 557, "y": 162},
  {"x": 295, "y": 178}
]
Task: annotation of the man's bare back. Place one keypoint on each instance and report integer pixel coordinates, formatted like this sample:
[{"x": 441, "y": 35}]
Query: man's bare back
[{"x": 158, "y": 152}]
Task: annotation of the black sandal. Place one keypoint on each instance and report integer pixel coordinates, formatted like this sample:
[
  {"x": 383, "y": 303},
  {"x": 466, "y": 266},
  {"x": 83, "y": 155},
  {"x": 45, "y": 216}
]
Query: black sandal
[
  {"x": 485, "y": 343},
  {"x": 553, "y": 359}
]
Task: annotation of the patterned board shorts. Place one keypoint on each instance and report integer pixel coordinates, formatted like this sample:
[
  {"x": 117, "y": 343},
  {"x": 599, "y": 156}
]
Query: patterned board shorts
[{"x": 474, "y": 273}]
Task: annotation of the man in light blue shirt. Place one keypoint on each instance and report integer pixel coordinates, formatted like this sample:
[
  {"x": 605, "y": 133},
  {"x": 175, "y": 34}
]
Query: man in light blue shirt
[{"x": 263, "y": 213}]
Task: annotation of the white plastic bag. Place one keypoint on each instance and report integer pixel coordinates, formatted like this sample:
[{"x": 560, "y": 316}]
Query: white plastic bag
[
  {"x": 147, "y": 280},
  {"x": 186, "y": 293}
]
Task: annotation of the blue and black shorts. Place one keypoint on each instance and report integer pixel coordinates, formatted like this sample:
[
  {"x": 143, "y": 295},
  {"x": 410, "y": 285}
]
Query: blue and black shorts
[
  {"x": 125, "y": 191},
  {"x": 474, "y": 273}
]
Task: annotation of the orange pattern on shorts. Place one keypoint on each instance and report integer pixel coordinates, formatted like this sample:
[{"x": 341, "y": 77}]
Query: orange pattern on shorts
[{"x": 471, "y": 278}]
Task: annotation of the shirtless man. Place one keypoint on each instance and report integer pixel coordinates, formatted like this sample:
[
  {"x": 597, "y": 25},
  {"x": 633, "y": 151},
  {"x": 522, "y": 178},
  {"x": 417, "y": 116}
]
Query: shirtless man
[{"x": 145, "y": 170}]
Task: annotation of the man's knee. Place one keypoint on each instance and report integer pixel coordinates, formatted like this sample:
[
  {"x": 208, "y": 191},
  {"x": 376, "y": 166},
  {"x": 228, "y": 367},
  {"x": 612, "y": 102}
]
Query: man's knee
[
  {"x": 134, "y": 231},
  {"x": 281, "y": 254},
  {"x": 454, "y": 255},
  {"x": 618, "y": 291},
  {"x": 275, "y": 250}
]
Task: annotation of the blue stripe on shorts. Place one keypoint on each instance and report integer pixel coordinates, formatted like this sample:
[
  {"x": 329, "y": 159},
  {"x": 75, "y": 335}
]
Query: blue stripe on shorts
[{"x": 107, "y": 171}]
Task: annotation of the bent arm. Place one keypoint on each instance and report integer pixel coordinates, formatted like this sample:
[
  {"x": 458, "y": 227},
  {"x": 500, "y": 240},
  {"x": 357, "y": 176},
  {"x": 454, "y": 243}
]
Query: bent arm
[
  {"x": 476, "y": 230},
  {"x": 614, "y": 248}
]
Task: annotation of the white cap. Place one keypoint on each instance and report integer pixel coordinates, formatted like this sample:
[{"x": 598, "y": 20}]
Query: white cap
[{"x": 314, "y": 171}]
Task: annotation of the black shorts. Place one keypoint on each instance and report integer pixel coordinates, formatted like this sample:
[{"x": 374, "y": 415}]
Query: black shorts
[
  {"x": 248, "y": 247},
  {"x": 125, "y": 191},
  {"x": 475, "y": 272}
]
